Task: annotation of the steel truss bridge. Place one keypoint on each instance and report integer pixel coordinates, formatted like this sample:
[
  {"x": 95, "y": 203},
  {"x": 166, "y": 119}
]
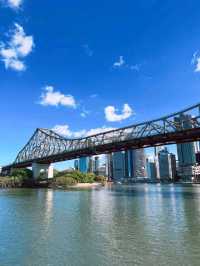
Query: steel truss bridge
[{"x": 46, "y": 146}]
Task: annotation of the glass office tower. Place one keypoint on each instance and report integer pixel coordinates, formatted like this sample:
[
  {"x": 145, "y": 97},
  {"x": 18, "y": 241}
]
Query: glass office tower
[{"x": 185, "y": 151}]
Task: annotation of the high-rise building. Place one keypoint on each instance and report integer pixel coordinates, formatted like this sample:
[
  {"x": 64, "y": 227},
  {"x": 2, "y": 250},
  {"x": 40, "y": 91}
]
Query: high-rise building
[
  {"x": 109, "y": 166},
  {"x": 139, "y": 163},
  {"x": 118, "y": 165},
  {"x": 129, "y": 164},
  {"x": 84, "y": 164},
  {"x": 185, "y": 151},
  {"x": 151, "y": 170},
  {"x": 96, "y": 165},
  {"x": 165, "y": 165}
]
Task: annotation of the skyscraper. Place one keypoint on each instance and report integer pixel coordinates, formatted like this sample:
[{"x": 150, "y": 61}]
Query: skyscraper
[
  {"x": 165, "y": 165},
  {"x": 84, "y": 164},
  {"x": 185, "y": 151},
  {"x": 139, "y": 163},
  {"x": 96, "y": 165},
  {"x": 151, "y": 170},
  {"x": 109, "y": 166},
  {"x": 118, "y": 163},
  {"x": 129, "y": 164}
]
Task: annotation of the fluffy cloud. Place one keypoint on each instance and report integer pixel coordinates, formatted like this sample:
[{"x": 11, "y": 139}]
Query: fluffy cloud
[
  {"x": 196, "y": 61},
  {"x": 64, "y": 130},
  {"x": 55, "y": 98},
  {"x": 15, "y": 4},
  {"x": 16, "y": 49},
  {"x": 119, "y": 63},
  {"x": 112, "y": 116}
]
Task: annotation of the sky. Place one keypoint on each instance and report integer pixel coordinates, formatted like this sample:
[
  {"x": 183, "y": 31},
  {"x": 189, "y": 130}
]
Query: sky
[{"x": 81, "y": 67}]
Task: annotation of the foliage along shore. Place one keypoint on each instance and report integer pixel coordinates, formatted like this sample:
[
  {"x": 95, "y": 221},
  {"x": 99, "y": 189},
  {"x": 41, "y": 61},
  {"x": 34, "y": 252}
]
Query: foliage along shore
[{"x": 62, "y": 179}]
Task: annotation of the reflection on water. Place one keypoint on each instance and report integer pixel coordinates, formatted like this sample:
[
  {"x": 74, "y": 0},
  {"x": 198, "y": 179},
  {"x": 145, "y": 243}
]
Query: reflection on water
[
  {"x": 49, "y": 205},
  {"x": 118, "y": 225}
]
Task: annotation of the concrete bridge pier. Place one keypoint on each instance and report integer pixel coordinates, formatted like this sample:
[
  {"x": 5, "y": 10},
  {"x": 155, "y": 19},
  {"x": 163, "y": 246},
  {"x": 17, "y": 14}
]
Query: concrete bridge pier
[{"x": 42, "y": 170}]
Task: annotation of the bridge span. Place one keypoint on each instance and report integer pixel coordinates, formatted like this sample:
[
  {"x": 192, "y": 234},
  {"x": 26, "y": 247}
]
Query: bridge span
[{"x": 46, "y": 146}]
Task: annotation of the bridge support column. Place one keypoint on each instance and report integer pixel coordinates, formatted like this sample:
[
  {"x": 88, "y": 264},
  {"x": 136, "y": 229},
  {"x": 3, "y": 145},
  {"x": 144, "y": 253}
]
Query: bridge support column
[{"x": 42, "y": 170}]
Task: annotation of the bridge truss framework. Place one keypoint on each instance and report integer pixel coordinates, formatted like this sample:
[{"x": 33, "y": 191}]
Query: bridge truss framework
[{"x": 46, "y": 146}]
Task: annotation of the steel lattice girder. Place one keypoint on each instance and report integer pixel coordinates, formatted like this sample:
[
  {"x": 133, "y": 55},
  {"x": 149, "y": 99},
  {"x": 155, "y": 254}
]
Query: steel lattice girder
[{"x": 46, "y": 145}]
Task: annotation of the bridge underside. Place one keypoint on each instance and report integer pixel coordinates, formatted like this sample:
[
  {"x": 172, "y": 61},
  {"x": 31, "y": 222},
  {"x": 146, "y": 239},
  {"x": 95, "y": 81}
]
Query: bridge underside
[{"x": 188, "y": 135}]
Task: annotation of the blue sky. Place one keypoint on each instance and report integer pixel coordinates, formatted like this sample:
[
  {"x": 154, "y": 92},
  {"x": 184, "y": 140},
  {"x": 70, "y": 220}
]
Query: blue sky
[{"x": 82, "y": 65}]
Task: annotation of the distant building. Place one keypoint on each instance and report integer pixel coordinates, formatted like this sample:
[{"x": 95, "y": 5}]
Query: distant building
[
  {"x": 185, "y": 151},
  {"x": 151, "y": 170},
  {"x": 165, "y": 165},
  {"x": 127, "y": 165},
  {"x": 102, "y": 170},
  {"x": 139, "y": 163},
  {"x": 96, "y": 165},
  {"x": 76, "y": 164},
  {"x": 109, "y": 166},
  {"x": 84, "y": 164},
  {"x": 118, "y": 165}
]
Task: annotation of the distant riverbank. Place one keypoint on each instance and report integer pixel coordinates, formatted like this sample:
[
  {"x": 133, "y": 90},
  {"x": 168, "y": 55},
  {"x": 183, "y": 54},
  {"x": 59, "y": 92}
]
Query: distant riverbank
[{"x": 62, "y": 179}]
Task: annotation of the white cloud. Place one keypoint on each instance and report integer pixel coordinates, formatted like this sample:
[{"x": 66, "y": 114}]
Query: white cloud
[
  {"x": 84, "y": 112},
  {"x": 55, "y": 98},
  {"x": 196, "y": 61},
  {"x": 112, "y": 116},
  {"x": 64, "y": 130},
  {"x": 94, "y": 131},
  {"x": 15, "y": 4},
  {"x": 18, "y": 47},
  {"x": 119, "y": 63}
]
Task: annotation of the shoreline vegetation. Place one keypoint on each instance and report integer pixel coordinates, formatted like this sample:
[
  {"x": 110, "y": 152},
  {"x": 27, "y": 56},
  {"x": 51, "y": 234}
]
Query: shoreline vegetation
[
  {"x": 67, "y": 179},
  {"x": 23, "y": 178}
]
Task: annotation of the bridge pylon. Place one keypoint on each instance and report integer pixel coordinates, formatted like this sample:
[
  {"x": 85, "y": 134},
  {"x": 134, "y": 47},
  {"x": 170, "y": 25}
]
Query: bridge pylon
[{"x": 42, "y": 170}]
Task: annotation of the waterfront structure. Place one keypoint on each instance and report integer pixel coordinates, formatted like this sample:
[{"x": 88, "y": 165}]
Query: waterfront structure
[
  {"x": 46, "y": 146},
  {"x": 186, "y": 151},
  {"x": 165, "y": 165},
  {"x": 43, "y": 170}
]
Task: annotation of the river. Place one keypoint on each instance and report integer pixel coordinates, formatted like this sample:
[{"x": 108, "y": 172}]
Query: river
[{"x": 143, "y": 224}]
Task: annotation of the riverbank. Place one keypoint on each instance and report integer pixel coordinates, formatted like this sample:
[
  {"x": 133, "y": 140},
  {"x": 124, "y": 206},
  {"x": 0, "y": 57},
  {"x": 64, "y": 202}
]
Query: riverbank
[{"x": 23, "y": 178}]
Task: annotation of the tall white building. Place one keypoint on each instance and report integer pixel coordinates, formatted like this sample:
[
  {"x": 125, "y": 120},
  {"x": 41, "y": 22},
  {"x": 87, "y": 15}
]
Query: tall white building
[{"x": 165, "y": 165}]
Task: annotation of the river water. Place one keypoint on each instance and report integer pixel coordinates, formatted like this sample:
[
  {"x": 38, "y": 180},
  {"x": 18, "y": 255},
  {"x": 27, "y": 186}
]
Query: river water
[{"x": 143, "y": 224}]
